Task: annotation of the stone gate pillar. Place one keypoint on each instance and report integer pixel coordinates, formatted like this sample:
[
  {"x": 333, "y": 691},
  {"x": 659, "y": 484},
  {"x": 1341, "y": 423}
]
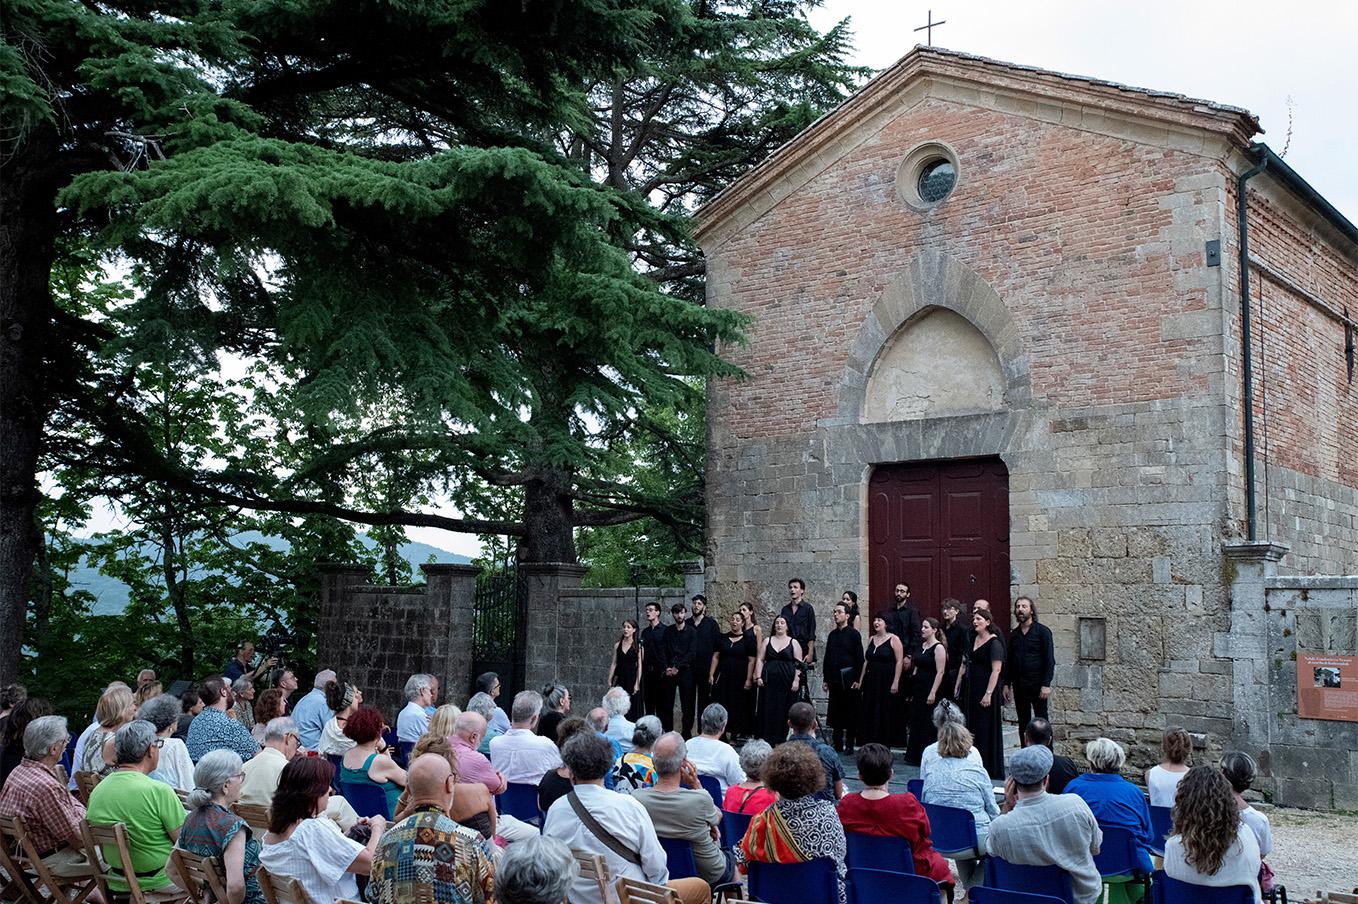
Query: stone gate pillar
[
  {"x": 543, "y": 617},
  {"x": 1249, "y": 566},
  {"x": 451, "y": 596}
]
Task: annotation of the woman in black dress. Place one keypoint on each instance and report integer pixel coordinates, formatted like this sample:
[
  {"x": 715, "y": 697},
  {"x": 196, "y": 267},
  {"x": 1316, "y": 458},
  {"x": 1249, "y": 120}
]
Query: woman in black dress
[
  {"x": 777, "y": 671},
  {"x": 733, "y": 674},
  {"x": 981, "y": 671},
  {"x": 625, "y": 670},
  {"x": 926, "y": 677},
  {"x": 752, "y": 630},
  {"x": 880, "y": 681},
  {"x": 850, "y": 601}
]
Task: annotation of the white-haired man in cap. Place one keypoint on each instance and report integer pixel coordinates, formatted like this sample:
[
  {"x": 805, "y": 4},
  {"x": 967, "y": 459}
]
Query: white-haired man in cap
[{"x": 1041, "y": 829}]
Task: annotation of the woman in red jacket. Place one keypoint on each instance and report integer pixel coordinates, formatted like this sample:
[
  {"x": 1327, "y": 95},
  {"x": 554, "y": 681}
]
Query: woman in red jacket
[{"x": 875, "y": 811}]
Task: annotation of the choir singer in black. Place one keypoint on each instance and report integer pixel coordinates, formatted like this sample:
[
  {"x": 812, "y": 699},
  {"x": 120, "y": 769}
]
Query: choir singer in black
[
  {"x": 1029, "y": 664},
  {"x": 843, "y": 663}
]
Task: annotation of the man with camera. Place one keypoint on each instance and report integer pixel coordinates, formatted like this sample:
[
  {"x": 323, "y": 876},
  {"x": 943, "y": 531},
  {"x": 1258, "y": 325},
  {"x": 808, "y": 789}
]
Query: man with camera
[{"x": 239, "y": 664}]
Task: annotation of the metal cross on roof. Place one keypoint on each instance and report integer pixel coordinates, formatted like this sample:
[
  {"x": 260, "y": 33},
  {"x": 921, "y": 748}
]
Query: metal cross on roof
[{"x": 928, "y": 28}]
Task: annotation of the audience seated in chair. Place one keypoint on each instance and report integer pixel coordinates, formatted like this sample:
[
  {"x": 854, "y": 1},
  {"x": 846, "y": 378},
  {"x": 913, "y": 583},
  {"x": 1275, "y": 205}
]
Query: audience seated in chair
[
  {"x": 472, "y": 807},
  {"x": 617, "y": 702},
  {"x": 539, "y": 871},
  {"x": 556, "y": 782},
  {"x": 214, "y": 729},
  {"x": 751, "y": 795},
  {"x": 344, "y": 700},
  {"x": 682, "y": 810},
  {"x": 520, "y": 754},
  {"x": 403, "y": 864},
  {"x": 421, "y": 692},
  {"x": 635, "y": 769},
  {"x": 176, "y": 767},
  {"x": 311, "y": 712},
  {"x": 1211, "y": 844},
  {"x": 875, "y": 811},
  {"x": 1240, "y": 770},
  {"x": 1039, "y": 731},
  {"x": 51, "y": 812},
  {"x": 474, "y": 768},
  {"x": 367, "y": 763},
  {"x": 956, "y": 779},
  {"x": 709, "y": 754},
  {"x": 800, "y": 826},
  {"x": 946, "y": 711},
  {"x": 1114, "y": 800},
  {"x": 619, "y": 815},
  {"x": 149, "y": 809},
  {"x": 1043, "y": 829},
  {"x": 1161, "y": 780},
  {"x": 212, "y": 830},
  {"x": 282, "y": 741},
  {"x": 302, "y": 844}
]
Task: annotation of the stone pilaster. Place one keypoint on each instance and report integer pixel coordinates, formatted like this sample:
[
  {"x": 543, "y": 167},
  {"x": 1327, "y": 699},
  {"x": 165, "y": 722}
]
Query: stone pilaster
[
  {"x": 451, "y": 596},
  {"x": 544, "y": 616},
  {"x": 1249, "y": 566},
  {"x": 694, "y": 582}
]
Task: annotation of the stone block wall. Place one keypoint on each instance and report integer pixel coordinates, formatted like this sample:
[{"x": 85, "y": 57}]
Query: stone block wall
[
  {"x": 377, "y": 637},
  {"x": 1303, "y": 762}
]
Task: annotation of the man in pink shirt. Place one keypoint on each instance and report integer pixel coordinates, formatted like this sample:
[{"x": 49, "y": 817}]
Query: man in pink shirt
[{"x": 473, "y": 767}]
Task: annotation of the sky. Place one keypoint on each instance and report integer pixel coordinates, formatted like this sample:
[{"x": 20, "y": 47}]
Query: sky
[{"x": 1247, "y": 54}]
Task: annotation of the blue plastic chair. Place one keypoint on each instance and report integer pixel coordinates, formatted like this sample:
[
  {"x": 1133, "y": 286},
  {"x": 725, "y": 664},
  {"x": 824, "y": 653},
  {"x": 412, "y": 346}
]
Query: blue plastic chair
[
  {"x": 68, "y": 757},
  {"x": 811, "y": 882},
  {"x": 1162, "y": 826},
  {"x": 733, "y": 827},
  {"x": 872, "y": 886},
  {"x": 982, "y": 895},
  {"x": 1119, "y": 860},
  {"x": 882, "y": 853},
  {"x": 713, "y": 787},
  {"x": 1051, "y": 881},
  {"x": 916, "y": 787},
  {"x": 1165, "y": 890},
  {"x": 403, "y": 749},
  {"x": 679, "y": 857},
  {"x": 519, "y": 800},
  {"x": 367, "y": 800},
  {"x": 953, "y": 832}
]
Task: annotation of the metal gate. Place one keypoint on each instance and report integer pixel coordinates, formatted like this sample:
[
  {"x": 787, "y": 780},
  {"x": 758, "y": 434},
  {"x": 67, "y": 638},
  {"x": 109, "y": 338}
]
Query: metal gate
[{"x": 498, "y": 629}]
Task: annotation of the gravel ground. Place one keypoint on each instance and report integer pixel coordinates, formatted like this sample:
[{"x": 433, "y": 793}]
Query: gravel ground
[{"x": 1314, "y": 850}]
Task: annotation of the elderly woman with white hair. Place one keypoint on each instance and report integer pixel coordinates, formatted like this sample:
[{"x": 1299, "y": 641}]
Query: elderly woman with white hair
[
  {"x": 635, "y": 768},
  {"x": 617, "y": 702},
  {"x": 751, "y": 795},
  {"x": 212, "y": 830},
  {"x": 535, "y": 871},
  {"x": 175, "y": 768},
  {"x": 1114, "y": 801},
  {"x": 243, "y": 689}
]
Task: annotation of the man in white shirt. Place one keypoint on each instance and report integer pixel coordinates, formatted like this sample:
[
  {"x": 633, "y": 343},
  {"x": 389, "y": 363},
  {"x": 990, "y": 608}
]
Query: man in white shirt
[
  {"x": 311, "y": 712},
  {"x": 616, "y": 703},
  {"x": 520, "y": 754},
  {"x": 710, "y": 755},
  {"x": 261, "y": 771},
  {"x": 421, "y": 691},
  {"x": 618, "y": 816}
]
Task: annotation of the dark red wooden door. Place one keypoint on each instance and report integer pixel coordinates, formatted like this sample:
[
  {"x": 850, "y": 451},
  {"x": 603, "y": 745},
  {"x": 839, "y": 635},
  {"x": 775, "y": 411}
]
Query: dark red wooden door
[{"x": 943, "y": 528}]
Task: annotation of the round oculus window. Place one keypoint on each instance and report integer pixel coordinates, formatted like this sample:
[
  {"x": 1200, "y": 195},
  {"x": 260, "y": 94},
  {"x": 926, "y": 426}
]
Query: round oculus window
[{"x": 936, "y": 180}]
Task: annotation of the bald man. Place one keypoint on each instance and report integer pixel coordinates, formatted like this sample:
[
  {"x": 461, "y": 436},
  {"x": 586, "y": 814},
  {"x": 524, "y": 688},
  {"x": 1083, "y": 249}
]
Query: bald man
[
  {"x": 473, "y": 767},
  {"x": 400, "y": 872}
]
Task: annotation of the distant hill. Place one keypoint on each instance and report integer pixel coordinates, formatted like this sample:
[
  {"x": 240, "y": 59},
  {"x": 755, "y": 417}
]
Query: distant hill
[{"x": 112, "y": 594}]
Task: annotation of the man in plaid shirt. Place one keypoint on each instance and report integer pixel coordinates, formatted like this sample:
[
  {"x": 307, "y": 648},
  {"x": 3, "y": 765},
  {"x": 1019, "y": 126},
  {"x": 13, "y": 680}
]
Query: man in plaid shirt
[{"x": 32, "y": 791}]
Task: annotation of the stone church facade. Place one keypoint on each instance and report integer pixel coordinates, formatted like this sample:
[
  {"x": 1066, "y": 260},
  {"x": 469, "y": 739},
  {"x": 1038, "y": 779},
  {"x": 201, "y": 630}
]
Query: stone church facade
[{"x": 1034, "y": 385}]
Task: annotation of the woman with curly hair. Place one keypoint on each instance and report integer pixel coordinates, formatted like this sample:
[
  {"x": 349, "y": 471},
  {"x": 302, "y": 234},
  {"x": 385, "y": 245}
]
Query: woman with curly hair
[
  {"x": 269, "y": 705},
  {"x": 799, "y": 827},
  {"x": 1211, "y": 845}
]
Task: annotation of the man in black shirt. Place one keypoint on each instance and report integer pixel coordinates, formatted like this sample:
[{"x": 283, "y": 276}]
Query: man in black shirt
[
  {"x": 653, "y": 668},
  {"x": 705, "y": 635},
  {"x": 903, "y": 620},
  {"x": 955, "y": 639},
  {"x": 1029, "y": 664},
  {"x": 1039, "y": 731},
  {"x": 801, "y": 619},
  {"x": 843, "y": 663},
  {"x": 679, "y": 644}
]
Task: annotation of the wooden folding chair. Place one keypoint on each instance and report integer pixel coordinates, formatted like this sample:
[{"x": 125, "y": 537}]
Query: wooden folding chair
[
  {"x": 112, "y": 841},
  {"x": 634, "y": 891},
  {"x": 15, "y": 882},
  {"x": 593, "y": 867},
  {"x": 202, "y": 877},
  {"x": 84, "y": 784},
  {"x": 255, "y": 815},
  {"x": 21, "y": 861},
  {"x": 281, "y": 889}
]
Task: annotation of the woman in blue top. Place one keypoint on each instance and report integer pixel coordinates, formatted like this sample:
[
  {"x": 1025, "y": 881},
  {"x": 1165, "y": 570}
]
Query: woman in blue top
[
  {"x": 212, "y": 830},
  {"x": 367, "y": 763},
  {"x": 1113, "y": 800}
]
